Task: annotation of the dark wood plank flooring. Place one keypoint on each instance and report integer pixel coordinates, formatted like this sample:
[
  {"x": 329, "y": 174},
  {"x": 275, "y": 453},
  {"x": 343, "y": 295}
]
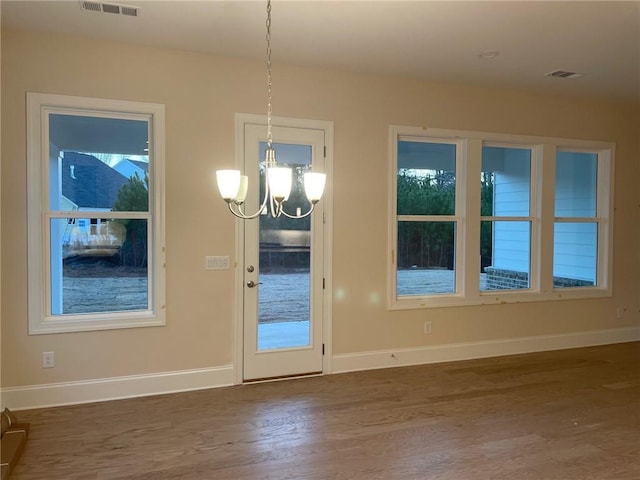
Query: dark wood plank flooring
[{"x": 571, "y": 414}]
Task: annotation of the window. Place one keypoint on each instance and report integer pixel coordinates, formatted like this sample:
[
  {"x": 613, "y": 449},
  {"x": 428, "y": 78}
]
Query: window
[
  {"x": 96, "y": 235},
  {"x": 427, "y": 217},
  {"x": 505, "y": 209},
  {"x": 575, "y": 235},
  {"x": 490, "y": 218}
]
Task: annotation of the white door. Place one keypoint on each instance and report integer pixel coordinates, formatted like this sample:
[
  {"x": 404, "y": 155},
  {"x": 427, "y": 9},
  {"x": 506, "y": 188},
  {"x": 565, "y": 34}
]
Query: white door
[{"x": 283, "y": 262}]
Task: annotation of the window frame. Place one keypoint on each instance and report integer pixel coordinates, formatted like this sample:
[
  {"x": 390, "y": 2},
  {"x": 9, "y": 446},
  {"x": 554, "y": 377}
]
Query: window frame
[
  {"x": 604, "y": 213},
  {"x": 542, "y": 216},
  {"x": 455, "y": 218},
  {"x": 39, "y": 215},
  {"x": 534, "y": 180}
]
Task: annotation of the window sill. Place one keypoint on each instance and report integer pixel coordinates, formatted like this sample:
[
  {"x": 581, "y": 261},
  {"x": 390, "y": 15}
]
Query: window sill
[
  {"x": 85, "y": 323},
  {"x": 495, "y": 298}
]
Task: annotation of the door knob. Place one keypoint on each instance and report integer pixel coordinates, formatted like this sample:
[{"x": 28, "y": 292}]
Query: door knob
[{"x": 252, "y": 284}]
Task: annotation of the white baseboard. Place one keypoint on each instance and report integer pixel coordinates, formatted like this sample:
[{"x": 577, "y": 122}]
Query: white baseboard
[
  {"x": 71, "y": 393},
  {"x": 466, "y": 351}
]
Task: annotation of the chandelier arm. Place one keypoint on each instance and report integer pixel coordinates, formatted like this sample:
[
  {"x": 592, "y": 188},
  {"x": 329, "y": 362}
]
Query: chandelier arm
[
  {"x": 274, "y": 207},
  {"x": 295, "y": 217},
  {"x": 240, "y": 212},
  {"x": 242, "y": 215},
  {"x": 266, "y": 195}
]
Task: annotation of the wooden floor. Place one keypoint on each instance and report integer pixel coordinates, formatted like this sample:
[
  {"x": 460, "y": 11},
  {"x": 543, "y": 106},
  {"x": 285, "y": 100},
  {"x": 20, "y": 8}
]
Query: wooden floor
[{"x": 563, "y": 415}]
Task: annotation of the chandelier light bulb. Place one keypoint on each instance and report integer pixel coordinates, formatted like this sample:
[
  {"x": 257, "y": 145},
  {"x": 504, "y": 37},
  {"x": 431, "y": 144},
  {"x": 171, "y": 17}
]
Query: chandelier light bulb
[
  {"x": 279, "y": 183},
  {"x": 228, "y": 184},
  {"x": 314, "y": 186},
  {"x": 242, "y": 191}
]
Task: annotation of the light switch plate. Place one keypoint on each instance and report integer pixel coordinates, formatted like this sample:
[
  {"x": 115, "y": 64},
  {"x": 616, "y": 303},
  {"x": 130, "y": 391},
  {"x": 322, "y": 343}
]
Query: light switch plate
[{"x": 216, "y": 263}]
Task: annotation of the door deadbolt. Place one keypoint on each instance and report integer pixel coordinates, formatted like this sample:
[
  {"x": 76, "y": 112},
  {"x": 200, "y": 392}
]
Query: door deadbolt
[{"x": 250, "y": 268}]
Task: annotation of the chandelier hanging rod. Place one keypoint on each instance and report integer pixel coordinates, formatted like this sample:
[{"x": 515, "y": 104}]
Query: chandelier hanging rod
[{"x": 233, "y": 186}]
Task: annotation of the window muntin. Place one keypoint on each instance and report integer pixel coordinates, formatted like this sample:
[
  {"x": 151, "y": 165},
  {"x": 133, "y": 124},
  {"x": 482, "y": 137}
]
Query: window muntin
[
  {"x": 531, "y": 218},
  {"x": 96, "y": 261}
]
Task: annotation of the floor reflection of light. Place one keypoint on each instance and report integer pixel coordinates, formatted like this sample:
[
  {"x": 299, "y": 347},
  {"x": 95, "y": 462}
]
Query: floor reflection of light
[{"x": 281, "y": 424}]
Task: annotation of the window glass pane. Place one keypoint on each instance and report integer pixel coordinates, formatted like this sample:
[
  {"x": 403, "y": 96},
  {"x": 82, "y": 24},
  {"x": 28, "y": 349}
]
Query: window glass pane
[
  {"x": 425, "y": 260},
  {"x": 426, "y": 178},
  {"x": 98, "y": 265},
  {"x": 576, "y": 184},
  {"x": 93, "y": 159},
  {"x": 575, "y": 254},
  {"x": 505, "y": 182},
  {"x": 505, "y": 255}
]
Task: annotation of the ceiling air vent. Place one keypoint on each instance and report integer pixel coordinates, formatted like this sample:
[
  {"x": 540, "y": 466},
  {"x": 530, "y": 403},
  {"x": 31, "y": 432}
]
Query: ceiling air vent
[
  {"x": 564, "y": 74},
  {"x": 110, "y": 8}
]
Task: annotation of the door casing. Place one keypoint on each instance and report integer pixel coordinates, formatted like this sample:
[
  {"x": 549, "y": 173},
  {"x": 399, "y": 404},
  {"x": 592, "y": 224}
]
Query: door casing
[{"x": 241, "y": 120}]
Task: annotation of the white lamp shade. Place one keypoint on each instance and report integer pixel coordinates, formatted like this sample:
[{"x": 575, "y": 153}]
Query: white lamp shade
[
  {"x": 279, "y": 182},
  {"x": 314, "y": 185},
  {"x": 228, "y": 183},
  {"x": 242, "y": 190}
]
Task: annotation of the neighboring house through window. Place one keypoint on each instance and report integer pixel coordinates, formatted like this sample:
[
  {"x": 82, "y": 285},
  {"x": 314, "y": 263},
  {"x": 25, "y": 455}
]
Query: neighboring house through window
[{"x": 96, "y": 234}]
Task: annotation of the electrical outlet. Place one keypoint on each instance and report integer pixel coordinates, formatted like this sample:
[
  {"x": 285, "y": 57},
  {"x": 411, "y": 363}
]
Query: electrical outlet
[
  {"x": 620, "y": 312},
  {"x": 427, "y": 327},
  {"x": 48, "y": 360}
]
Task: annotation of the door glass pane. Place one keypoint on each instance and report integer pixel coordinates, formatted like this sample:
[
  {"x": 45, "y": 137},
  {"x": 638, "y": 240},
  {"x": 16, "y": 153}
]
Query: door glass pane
[
  {"x": 98, "y": 265},
  {"x": 575, "y": 254},
  {"x": 426, "y": 252},
  {"x": 426, "y": 178},
  {"x": 285, "y": 262}
]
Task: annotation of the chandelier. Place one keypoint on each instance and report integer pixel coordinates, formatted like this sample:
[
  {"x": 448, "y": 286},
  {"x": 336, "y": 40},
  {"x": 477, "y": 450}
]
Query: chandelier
[{"x": 233, "y": 186}]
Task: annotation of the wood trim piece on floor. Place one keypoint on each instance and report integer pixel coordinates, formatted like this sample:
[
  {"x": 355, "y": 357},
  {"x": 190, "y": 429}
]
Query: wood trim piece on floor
[
  {"x": 97, "y": 390},
  {"x": 352, "y": 362}
]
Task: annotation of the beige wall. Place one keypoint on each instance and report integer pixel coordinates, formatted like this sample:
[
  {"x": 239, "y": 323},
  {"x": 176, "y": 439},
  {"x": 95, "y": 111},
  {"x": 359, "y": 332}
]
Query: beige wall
[{"x": 202, "y": 93}]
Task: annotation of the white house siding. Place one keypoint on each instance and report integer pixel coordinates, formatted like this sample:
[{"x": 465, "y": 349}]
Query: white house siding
[
  {"x": 576, "y": 244},
  {"x": 511, "y": 240}
]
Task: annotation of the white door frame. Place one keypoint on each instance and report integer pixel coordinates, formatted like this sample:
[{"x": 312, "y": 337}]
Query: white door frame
[{"x": 240, "y": 120}]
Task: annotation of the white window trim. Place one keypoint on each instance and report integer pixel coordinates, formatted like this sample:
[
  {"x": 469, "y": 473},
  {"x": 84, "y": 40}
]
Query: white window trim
[
  {"x": 40, "y": 322},
  {"x": 541, "y": 213}
]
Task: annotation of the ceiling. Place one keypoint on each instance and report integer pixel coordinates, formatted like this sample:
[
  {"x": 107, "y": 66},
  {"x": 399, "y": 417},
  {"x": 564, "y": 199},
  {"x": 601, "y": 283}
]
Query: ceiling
[{"x": 432, "y": 40}]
